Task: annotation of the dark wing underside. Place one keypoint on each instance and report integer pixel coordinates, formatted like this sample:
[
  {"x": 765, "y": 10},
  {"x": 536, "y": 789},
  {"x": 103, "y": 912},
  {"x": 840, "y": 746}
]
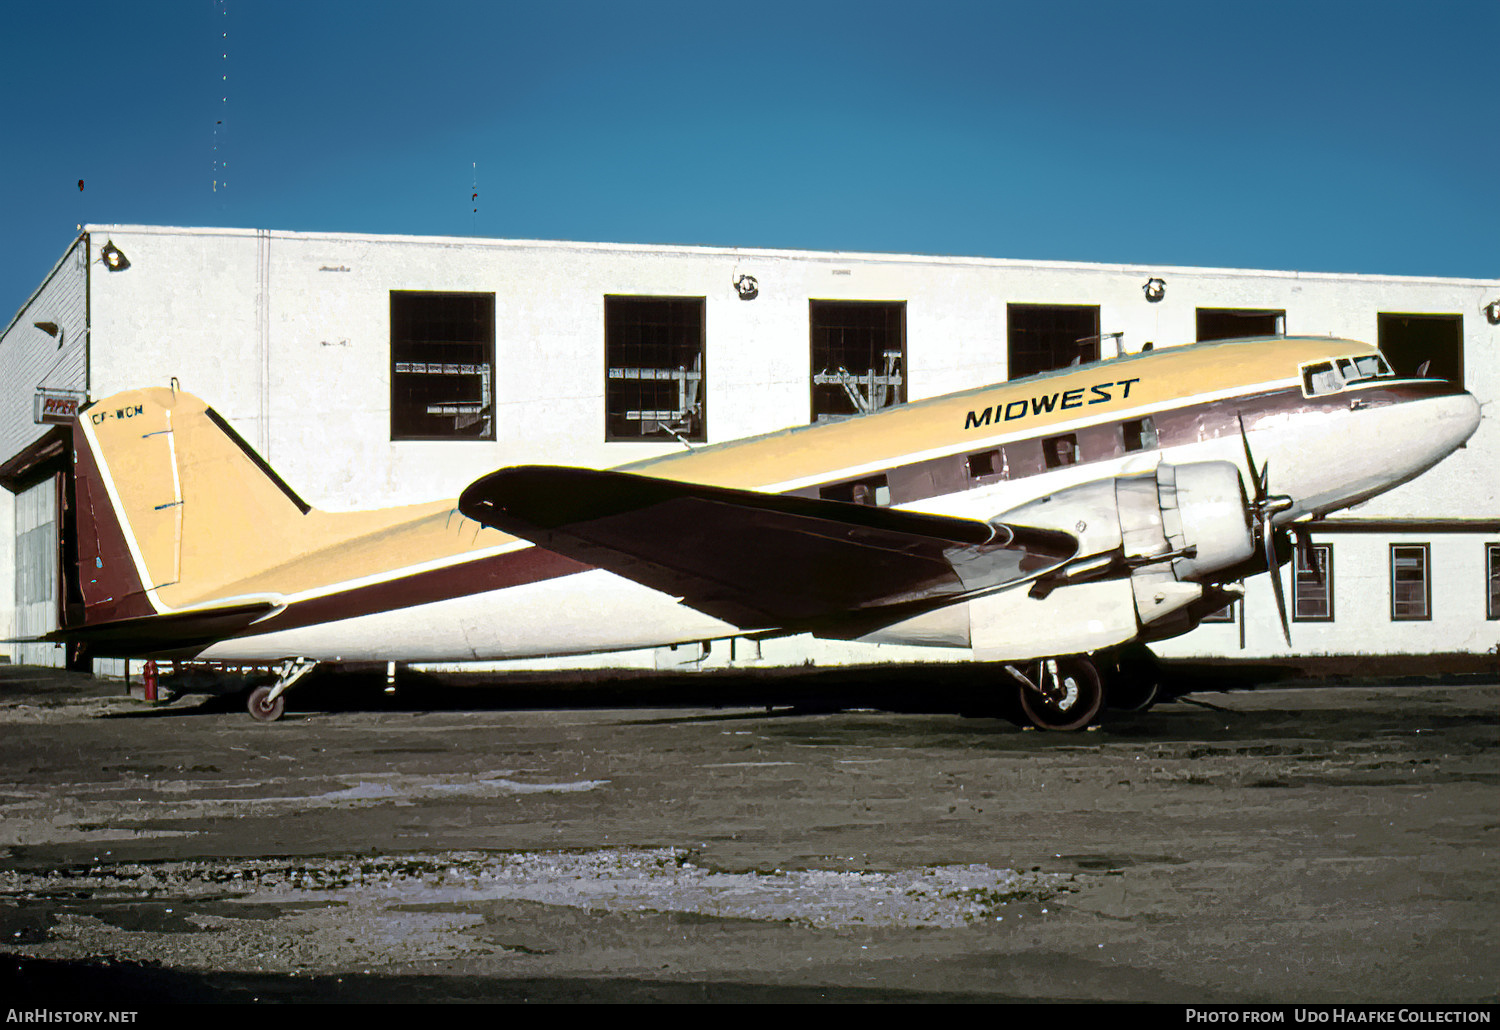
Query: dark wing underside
[{"x": 760, "y": 560}]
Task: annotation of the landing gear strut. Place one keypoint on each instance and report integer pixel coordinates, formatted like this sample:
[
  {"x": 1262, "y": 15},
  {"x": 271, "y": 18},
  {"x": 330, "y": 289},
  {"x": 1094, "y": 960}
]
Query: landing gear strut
[
  {"x": 1060, "y": 693},
  {"x": 267, "y": 702}
]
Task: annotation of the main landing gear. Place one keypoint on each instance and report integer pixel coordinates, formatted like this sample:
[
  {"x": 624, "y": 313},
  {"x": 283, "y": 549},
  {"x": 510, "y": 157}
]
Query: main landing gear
[
  {"x": 1060, "y": 693},
  {"x": 267, "y": 702},
  {"x": 1069, "y": 691}
]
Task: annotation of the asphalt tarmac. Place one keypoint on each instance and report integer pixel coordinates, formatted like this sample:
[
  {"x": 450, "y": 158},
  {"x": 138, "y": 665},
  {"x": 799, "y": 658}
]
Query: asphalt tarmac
[{"x": 878, "y": 835}]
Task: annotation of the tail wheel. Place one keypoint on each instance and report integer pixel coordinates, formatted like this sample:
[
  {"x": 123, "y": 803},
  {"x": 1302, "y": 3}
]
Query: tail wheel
[
  {"x": 262, "y": 708},
  {"x": 1067, "y": 696}
]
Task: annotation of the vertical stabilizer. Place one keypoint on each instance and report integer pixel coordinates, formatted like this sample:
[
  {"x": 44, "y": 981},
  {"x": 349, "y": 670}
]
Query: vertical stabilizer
[{"x": 172, "y": 504}]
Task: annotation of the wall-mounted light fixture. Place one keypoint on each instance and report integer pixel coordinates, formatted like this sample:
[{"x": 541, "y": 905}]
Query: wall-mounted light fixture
[
  {"x": 747, "y": 287},
  {"x": 53, "y": 330},
  {"x": 1155, "y": 289},
  {"x": 113, "y": 258},
  {"x": 1492, "y": 312}
]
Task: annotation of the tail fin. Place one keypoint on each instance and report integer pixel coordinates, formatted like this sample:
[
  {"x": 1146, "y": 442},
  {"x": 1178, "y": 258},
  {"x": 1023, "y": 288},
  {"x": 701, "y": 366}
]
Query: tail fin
[{"x": 172, "y": 505}]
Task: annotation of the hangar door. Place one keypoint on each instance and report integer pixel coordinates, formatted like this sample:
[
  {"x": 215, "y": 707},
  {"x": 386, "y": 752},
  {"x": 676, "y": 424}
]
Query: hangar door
[{"x": 37, "y": 571}]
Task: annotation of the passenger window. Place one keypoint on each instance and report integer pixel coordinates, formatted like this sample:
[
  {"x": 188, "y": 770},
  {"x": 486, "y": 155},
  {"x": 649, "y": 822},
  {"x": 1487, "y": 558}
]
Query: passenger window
[
  {"x": 985, "y": 464},
  {"x": 1060, "y": 450},
  {"x": 1140, "y": 434},
  {"x": 873, "y": 490}
]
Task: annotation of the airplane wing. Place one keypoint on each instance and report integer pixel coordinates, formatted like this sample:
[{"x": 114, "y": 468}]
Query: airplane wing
[{"x": 760, "y": 560}]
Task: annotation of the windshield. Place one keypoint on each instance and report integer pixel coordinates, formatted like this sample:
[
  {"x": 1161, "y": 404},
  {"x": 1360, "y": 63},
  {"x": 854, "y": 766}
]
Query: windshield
[{"x": 1331, "y": 376}]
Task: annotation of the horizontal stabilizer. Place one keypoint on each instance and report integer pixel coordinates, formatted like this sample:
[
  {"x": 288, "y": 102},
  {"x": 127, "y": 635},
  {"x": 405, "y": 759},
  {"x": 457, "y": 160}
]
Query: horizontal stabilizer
[
  {"x": 759, "y": 560},
  {"x": 161, "y": 634}
]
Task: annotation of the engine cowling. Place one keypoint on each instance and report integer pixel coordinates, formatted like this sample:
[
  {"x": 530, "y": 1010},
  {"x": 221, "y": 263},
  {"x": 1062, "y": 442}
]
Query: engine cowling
[
  {"x": 1203, "y": 507},
  {"x": 1172, "y": 529}
]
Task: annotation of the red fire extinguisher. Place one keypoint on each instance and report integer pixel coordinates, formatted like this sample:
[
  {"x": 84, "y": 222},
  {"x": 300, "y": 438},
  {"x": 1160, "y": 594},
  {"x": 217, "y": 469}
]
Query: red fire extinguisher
[{"x": 149, "y": 679}]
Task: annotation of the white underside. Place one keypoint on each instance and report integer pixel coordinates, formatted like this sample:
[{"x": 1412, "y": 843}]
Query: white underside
[{"x": 579, "y": 614}]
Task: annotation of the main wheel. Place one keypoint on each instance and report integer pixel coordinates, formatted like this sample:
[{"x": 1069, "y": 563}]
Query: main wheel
[
  {"x": 262, "y": 708},
  {"x": 1136, "y": 681},
  {"x": 1069, "y": 701}
]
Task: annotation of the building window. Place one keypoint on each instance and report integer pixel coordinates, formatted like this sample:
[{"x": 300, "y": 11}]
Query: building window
[
  {"x": 1224, "y": 614},
  {"x": 442, "y": 366},
  {"x": 858, "y": 357},
  {"x": 1411, "y": 589},
  {"x": 654, "y": 378},
  {"x": 1424, "y": 345},
  {"x": 1492, "y": 605},
  {"x": 1233, "y": 323},
  {"x": 1041, "y": 337},
  {"x": 1312, "y": 583}
]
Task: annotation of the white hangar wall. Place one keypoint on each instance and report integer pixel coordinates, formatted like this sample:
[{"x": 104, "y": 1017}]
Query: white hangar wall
[
  {"x": 44, "y": 346},
  {"x": 289, "y": 336}
]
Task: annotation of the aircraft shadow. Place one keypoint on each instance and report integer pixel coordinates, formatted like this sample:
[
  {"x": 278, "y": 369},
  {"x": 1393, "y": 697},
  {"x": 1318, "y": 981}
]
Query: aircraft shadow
[{"x": 968, "y": 691}]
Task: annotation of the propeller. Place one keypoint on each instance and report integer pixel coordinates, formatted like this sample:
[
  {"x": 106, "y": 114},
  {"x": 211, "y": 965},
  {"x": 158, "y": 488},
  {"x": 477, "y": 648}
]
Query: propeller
[{"x": 1265, "y": 507}]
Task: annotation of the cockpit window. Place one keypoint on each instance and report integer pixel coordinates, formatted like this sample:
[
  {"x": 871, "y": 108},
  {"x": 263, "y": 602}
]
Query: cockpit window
[
  {"x": 1370, "y": 366},
  {"x": 1322, "y": 377}
]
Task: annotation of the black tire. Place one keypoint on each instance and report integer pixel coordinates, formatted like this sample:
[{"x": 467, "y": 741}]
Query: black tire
[
  {"x": 1135, "y": 683},
  {"x": 1081, "y": 703},
  {"x": 261, "y": 708}
]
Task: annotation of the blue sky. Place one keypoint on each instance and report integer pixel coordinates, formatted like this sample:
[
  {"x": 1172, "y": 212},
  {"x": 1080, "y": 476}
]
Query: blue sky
[{"x": 1317, "y": 135}]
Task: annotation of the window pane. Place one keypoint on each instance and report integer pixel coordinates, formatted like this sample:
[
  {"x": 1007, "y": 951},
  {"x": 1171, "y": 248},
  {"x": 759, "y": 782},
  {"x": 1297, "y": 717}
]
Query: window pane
[
  {"x": 1140, "y": 434},
  {"x": 1230, "y": 323},
  {"x": 1224, "y": 614},
  {"x": 1312, "y": 585},
  {"x": 1492, "y": 609},
  {"x": 1060, "y": 450},
  {"x": 873, "y": 490},
  {"x": 442, "y": 365},
  {"x": 654, "y": 387},
  {"x": 858, "y": 357},
  {"x": 1431, "y": 345},
  {"x": 1409, "y": 587},
  {"x": 1042, "y": 337}
]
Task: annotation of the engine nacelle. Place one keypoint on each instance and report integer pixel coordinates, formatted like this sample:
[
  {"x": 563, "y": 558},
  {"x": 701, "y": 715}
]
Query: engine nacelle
[
  {"x": 1203, "y": 507},
  {"x": 1171, "y": 528},
  {"x": 1147, "y": 545}
]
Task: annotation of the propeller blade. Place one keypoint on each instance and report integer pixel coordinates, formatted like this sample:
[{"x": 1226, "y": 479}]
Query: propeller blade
[
  {"x": 1265, "y": 509},
  {"x": 1261, "y": 482},
  {"x": 1274, "y": 567}
]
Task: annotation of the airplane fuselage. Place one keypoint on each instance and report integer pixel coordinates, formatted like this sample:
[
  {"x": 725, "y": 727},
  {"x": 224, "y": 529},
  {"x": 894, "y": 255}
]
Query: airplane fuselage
[{"x": 1325, "y": 442}]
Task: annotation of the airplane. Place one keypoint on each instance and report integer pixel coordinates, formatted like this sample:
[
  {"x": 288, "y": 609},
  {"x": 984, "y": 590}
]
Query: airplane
[{"x": 1053, "y": 526}]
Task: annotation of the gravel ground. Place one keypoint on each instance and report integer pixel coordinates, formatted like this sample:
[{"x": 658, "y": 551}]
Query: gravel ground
[{"x": 1308, "y": 845}]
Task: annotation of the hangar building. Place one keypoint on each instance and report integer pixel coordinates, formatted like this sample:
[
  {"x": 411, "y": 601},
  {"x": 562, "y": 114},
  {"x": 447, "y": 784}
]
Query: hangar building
[{"x": 380, "y": 370}]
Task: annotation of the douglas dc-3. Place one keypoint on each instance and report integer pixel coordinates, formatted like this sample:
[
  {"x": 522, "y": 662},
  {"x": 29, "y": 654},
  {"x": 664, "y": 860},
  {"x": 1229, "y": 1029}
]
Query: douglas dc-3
[{"x": 1051, "y": 525}]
